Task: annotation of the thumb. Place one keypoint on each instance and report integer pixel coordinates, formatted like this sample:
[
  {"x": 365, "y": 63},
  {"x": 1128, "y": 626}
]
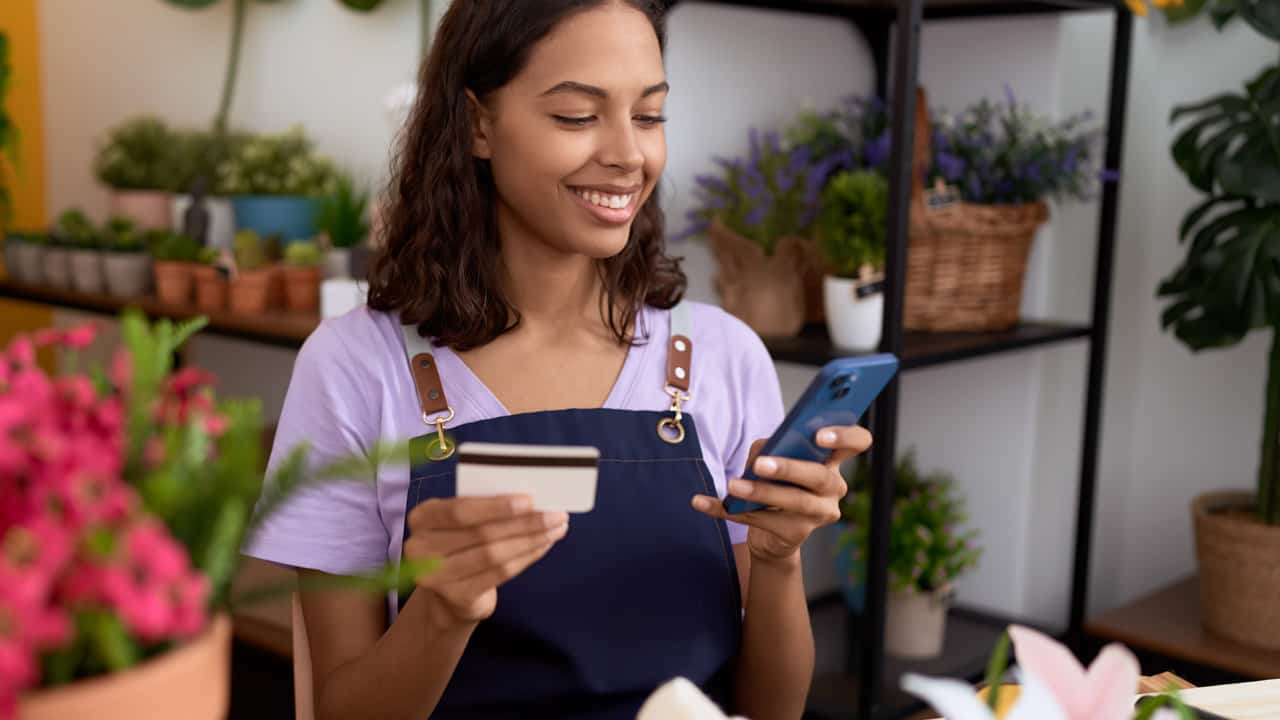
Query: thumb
[{"x": 755, "y": 451}]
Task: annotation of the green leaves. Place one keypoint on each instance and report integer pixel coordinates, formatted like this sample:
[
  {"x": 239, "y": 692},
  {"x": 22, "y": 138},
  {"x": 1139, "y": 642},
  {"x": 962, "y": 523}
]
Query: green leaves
[
  {"x": 996, "y": 665},
  {"x": 852, "y": 224},
  {"x": 1262, "y": 15},
  {"x": 362, "y": 5}
]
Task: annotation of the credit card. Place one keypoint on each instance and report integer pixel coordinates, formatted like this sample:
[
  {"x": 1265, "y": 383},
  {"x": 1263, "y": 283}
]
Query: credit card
[{"x": 559, "y": 478}]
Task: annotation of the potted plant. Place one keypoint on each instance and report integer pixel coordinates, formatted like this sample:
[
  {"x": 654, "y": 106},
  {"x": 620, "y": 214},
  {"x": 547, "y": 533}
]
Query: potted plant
[
  {"x": 116, "y": 560},
  {"x": 253, "y": 283},
  {"x": 84, "y": 244},
  {"x": 135, "y": 163},
  {"x": 125, "y": 262},
  {"x": 758, "y": 214},
  {"x": 276, "y": 182},
  {"x": 302, "y": 274},
  {"x": 56, "y": 270},
  {"x": 927, "y": 552},
  {"x": 342, "y": 220},
  {"x": 1224, "y": 288},
  {"x": 24, "y": 256},
  {"x": 197, "y": 156},
  {"x": 211, "y": 282},
  {"x": 851, "y": 234},
  {"x": 174, "y": 257}
]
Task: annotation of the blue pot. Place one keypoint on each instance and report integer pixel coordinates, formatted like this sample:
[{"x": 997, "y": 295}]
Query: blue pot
[
  {"x": 853, "y": 591},
  {"x": 292, "y": 217}
]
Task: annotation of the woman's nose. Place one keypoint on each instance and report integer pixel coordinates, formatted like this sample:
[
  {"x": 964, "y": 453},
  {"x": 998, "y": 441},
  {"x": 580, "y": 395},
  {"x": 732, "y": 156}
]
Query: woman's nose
[{"x": 620, "y": 148}]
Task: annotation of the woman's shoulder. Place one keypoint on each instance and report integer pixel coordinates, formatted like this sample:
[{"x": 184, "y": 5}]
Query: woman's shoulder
[
  {"x": 360, "y": 342},
  {"x": 724, "y": 338}
]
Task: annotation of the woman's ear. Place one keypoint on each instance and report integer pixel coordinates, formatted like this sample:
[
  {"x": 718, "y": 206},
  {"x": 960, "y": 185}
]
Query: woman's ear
[{"x": 481, "y": 124}]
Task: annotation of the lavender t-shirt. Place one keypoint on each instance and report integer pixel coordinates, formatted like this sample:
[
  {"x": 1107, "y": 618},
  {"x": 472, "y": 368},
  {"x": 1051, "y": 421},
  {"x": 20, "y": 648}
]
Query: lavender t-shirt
[{"x": 351, "y": 387}]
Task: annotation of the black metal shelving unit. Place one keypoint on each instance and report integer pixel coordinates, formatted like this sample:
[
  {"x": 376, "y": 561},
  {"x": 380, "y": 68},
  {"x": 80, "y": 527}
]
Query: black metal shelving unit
[{"x": 892, "y": 31}]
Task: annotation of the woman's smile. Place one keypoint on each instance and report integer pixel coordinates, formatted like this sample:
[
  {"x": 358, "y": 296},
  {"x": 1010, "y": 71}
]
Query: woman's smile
[{"x": 608, "y": 204}]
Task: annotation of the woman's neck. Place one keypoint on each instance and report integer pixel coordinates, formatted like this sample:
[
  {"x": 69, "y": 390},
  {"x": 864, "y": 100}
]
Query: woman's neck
[{"x": 550, "y": 288}]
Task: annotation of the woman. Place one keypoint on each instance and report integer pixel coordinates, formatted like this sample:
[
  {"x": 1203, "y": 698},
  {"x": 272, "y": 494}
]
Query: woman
[{"x": 524, "y": 297}]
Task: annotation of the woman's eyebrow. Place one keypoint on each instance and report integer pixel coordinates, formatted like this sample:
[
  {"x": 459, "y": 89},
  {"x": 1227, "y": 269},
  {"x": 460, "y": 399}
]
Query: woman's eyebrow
[{"x": 570, "y": 86}]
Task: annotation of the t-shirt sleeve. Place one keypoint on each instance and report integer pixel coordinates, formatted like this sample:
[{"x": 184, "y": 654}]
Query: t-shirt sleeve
[
  {"x": 759, "y": 404},
  {"x": 333, "y": 526}
]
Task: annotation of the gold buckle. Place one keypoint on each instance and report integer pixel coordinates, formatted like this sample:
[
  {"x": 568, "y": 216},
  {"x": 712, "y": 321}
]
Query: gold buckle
[
  {"x": 443, "y": 449},
  {"x": 674, "y": 424}
]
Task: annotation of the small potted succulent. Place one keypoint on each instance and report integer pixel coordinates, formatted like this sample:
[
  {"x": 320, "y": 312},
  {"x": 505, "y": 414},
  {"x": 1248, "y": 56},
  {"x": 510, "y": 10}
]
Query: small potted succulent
[
  {"x": 71, "y": 225},
  {"x": 342, "y": 220},
  {"x": 851, "y": 235},
  {"x": 211, "y": 282},
  {"x": 302, "y": 275},
  {"x": 927, "y": 552},
  {"x": 275, "y": 182},
  {"x": 24, "y": 256},
  {"x": 136, "y": 163},
  {"x": 125, "y": 262},
  {"x": 758, "y": 214},
  {"x": 84, "y": 246},
  {"x": 175, "y": 257},
  {"x": 253, "y": 284}
]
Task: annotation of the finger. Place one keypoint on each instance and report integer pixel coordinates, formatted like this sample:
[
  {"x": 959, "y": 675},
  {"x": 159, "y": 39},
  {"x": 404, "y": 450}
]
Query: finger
[
  {"x": 451, "y": 542},
  {"x": 481, "y": 559},
  {"x": 788, "y": 527},
  {"x": 845, "y": 442},
  {"x": 755, "y": 451},
  {"x": 708, "y": 505},
  {"x": 493, "y": 577},
  {"x": 441, "y": 513},
  {"x": 786, "y": 499},
  {"x": 815, "y": 477}
]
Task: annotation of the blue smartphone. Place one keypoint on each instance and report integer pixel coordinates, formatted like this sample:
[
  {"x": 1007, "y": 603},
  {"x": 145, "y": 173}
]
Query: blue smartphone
[{"x": 838, "y": 395}]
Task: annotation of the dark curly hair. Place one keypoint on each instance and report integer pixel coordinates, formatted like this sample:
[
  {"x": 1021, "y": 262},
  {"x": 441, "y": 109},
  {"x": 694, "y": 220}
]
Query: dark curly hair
[{"x": 439, "y": 265}]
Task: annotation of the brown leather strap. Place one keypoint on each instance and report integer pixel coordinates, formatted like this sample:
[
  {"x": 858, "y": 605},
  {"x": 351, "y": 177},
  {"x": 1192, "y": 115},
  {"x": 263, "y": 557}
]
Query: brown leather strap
[
  {"x": 430, "y": 390},
  {"x": 679, "y": 362}
]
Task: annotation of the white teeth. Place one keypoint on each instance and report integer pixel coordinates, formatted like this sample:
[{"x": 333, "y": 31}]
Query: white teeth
[{"x": 615, "y": 202}]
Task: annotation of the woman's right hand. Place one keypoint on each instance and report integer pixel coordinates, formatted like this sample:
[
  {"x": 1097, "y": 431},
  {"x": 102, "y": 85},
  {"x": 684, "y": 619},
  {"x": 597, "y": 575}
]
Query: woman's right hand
[{"x": 482, "y": 543}]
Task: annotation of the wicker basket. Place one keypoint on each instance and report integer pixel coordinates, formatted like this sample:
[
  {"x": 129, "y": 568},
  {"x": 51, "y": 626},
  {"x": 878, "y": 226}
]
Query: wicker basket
[
  {"x": 966, "y": 262},
  {"x": 1239, "y": 573}
]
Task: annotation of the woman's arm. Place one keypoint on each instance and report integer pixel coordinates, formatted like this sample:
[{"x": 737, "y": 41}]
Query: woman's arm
[
  {"x": 775, "y": 664},
  {"x": 358, "y": 670}
]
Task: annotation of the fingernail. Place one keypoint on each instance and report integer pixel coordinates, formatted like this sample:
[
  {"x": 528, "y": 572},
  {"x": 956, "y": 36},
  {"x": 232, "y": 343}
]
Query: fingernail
[
  {"x": 766, "y": 465},
  {"x": 827, "y": 437},
  {"x": 741, "y": 488},
  {"x": 701, "y": 503},
  {"x": 559, "y": 532},
  {"x": 555, "y": 519},
  {"x": 522, "y": 504}
]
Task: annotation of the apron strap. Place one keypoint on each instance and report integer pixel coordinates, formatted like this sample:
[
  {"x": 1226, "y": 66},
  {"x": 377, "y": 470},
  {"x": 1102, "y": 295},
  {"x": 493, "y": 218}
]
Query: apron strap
[
  {"x": 680, "y": 348},
  {"x": 426, "y": 376}
]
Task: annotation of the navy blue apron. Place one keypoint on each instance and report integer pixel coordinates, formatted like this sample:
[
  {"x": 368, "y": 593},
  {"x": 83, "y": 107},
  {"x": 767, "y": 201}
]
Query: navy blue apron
[{"x": 641, "y": 590}]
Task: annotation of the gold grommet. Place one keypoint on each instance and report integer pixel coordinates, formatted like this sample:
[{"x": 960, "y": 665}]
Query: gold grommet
[{"x": 675, "y": 425}]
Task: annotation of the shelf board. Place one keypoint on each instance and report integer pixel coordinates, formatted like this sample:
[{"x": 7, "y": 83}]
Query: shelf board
[
  {"x": 275, "y": 327},
  {"x": 971, "y": 636},
  {"x": 1168, "y": 622},
  {"x": 921, "y": 349},
  {"x": 933, "y": 9}
]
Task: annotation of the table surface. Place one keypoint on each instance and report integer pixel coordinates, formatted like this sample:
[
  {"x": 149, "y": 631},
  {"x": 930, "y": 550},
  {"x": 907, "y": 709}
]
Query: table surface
[{"x": 1239, "y": 701}]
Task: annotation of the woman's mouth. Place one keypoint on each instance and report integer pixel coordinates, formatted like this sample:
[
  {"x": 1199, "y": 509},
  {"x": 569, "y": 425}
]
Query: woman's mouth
[{"x": 611, "y": 208}]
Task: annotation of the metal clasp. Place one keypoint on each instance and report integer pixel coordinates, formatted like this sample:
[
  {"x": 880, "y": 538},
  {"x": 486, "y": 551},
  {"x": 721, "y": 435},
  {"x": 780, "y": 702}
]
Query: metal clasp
[
  {"x": 443, "y": 448},
  {"x": 671, "y": 429}
]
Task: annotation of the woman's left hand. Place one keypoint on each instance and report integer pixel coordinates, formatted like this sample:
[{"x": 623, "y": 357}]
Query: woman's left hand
[{"x": 795, "y": 512}]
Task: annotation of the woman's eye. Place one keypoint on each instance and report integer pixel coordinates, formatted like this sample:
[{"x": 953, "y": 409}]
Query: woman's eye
[
  {"x": 574, "y": 121},
  {"x": 651, "y": 119}
]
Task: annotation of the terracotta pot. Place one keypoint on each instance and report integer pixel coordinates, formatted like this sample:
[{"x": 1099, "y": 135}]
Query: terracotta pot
[
  {"x": 190, "y": 682},
  {"x": 766, "y": 292},
  {"x": 86, "y": 271},
  {"x": 57, "y": 267},
  {"x": 174, "y": 281},
  {"x": 127, "y": 275},
  {"x": 1239, "y": 569},
  {"x": 150, "y": 209},
  {"x": 916, "y": 623},
  {"x": 253, "y": 291},
  {"x": 211, "y": 289},
  {"x": 302, "y": 288}
]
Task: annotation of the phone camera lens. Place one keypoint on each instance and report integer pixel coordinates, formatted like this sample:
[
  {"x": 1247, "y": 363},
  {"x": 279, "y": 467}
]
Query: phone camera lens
[
  {"x": 842, "y": 392},
  {"x": 836, "y": 383}
]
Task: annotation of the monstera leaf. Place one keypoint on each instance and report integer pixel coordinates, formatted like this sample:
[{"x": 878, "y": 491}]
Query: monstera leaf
[
  {"x": 1230, "y": 145},
  {"x": 362, "y": 5}
]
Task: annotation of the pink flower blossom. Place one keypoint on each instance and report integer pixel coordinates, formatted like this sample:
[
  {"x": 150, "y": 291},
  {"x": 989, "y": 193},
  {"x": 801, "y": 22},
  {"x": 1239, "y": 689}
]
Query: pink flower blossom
[
  {"x": 22, "y": 352},
  {"x": 216, "y": 425},
  {"x": 79, "y": 338},
  {"x": 121, "y": 372}
]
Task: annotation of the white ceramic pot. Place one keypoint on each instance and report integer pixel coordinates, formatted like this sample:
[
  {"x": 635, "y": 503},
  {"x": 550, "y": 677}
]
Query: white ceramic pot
[
  {"x": 57, "y": 267},
  {"x": 338, "y": 263},
  {"x": 127, "y": 275},
  {"x": 854, "y": 323},
  {"x": 222, "y": 219},
  {"x": 28, "y": 263},
  {"x": 916, "y": 623},
  {"x": 339, "y": 296},
  {"x": 86, "y": 271}
]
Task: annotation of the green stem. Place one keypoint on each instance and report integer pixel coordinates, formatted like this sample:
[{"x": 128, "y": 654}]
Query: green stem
[
  {"x": 233, "y": 67},
  {"x": 1269, "y": 470}
]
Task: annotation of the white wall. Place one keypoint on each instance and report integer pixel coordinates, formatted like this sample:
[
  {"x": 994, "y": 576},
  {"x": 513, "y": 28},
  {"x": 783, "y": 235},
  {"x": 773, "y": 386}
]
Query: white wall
[{"x": 1008, "y": 427}]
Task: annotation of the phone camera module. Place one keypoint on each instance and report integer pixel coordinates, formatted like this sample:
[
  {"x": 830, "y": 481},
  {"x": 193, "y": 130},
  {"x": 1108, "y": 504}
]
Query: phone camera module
[{"x": 842, "y": 392}]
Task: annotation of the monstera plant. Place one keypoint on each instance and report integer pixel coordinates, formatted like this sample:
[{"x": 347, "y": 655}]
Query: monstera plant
[{"x": 1228, "y": 285}]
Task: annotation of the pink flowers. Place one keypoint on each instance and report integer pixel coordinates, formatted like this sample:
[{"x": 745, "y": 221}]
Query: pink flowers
[{"x": 74, "y": 537}]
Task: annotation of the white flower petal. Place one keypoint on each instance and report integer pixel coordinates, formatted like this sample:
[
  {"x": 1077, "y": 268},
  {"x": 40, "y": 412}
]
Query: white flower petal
[
  {"x": 955, "y": 700},
  {"x": 1035, "y": 700}
]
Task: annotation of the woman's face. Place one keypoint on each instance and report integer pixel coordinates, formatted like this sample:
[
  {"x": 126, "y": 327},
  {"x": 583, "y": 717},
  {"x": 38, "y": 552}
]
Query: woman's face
[{"x": 576, "y": 140}]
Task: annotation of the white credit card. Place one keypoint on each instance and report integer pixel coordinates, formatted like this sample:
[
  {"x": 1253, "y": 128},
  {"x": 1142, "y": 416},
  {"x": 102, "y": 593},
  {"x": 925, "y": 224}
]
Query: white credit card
[{"x": 557, "y": 478}]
